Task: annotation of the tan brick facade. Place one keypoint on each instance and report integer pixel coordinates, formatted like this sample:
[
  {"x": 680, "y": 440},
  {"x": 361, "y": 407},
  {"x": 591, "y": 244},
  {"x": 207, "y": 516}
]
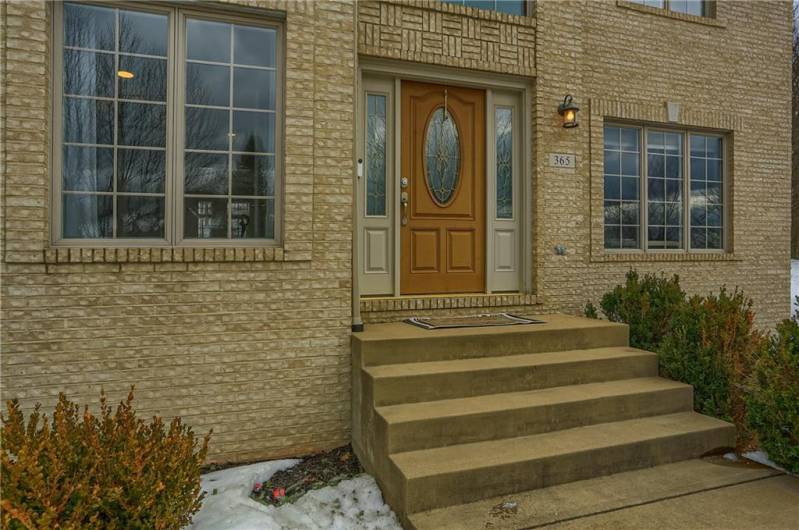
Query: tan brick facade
[{"x": 254, "y": 343}]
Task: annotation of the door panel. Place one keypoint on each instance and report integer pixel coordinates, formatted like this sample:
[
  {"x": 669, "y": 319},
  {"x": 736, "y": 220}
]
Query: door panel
[{"x": 443, "y": 223}]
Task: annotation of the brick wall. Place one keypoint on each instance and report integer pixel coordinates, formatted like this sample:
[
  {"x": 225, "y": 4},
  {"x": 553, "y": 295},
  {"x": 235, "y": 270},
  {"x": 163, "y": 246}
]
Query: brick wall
[{"x": 253, "y": 343}]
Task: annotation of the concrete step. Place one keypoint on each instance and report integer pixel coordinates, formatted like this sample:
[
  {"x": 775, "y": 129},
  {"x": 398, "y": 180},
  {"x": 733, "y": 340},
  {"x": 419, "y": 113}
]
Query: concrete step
[
  {"x": 437, "y": 380},
  {"x": 414, "y": 426},
  {"x": 399, "y": 342},
  {"x": 445, "y": 476}
]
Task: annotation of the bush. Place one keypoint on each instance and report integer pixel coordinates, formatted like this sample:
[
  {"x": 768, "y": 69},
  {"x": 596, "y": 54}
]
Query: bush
[
  {"x": 109, "y": 471},
  {"x": 647, "y": 305},
  {"x": 712, "y": 345},
  {"x": 773, "y": 403}
]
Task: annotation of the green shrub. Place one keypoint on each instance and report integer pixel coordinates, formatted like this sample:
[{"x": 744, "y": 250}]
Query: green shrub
[
  {"x": 712, "y": 345},
  {"x": 111, "y": 471},
  {"x": 647, "y": 305},
  {"x": 773, "y": 403}
]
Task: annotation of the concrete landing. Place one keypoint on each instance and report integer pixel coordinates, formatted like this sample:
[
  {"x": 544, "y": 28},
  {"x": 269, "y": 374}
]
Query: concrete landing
[{"x": 709, "y": 493}]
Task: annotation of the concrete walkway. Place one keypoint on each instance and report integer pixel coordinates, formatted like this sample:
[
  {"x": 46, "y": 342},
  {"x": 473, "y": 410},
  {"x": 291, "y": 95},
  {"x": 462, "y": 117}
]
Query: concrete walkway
[{"x": 710, "y": 493}]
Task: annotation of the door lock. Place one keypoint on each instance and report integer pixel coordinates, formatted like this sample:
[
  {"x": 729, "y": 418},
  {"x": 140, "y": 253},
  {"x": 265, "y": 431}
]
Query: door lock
[
  {"x": 404, "y": 182},
  {"x": 404, "y": 203}
]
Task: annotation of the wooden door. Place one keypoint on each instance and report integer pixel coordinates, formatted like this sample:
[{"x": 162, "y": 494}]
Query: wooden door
[{"x": 443, "y": 199}]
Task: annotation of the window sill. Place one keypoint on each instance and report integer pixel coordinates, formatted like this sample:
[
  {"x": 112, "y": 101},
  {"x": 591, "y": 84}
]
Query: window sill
[
  {"x": 170, "y": 255},
  {"x": 705, "y": 21},
  {"x": 631, "y": 257}
]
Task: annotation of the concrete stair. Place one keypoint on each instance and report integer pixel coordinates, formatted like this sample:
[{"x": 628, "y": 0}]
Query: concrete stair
[{"x": 445, "y": 417}]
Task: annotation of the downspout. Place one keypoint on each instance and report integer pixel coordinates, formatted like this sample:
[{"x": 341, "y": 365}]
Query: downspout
[{"x": 357, "y": 322}]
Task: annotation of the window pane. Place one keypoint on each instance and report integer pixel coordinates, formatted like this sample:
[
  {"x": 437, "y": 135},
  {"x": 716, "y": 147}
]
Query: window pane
[
  {"x": 253, "y": 89},
  {"x": 140, "y": 216},
  {"x": 88, "y": 216},
  {"x": 88, "y": 168},
  {"x": 89, "y": 73},
  {"x": 254, "y": 46},
  {"x": 88, "y": 121},
  {"x": 512, "y": 7},
  {"x": 254, "y": 175},
  {"x": 690, "y": 7},
  {"x": 89, "y": 27},
  {"x": 504, "y": 154},
  {"x": 148, "y": 81},
  {"x": 252, "y": 218},
  {"x": 707, "y": 192},
  {"x": 207, "y": 84},
  {"x": 253, "y": 132},
  {"x": 664, "y": 181},
  {"x": 141, "y": 170},
  {"x": 208, "y": 41},
  {"x": 622, "y": 193},
  {"x": 376, "y": 155},
  {"x": 206, "y": 174},
  {"x": 207, "y": 129},
  {"x": 205, "y": 218},
  {"x": 144, "y": 33},
  {"x": 142, "y": 124}
]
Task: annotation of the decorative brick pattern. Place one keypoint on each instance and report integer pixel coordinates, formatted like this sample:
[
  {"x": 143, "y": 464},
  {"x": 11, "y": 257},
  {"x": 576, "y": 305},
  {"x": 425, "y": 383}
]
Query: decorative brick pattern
[
  {"x": 449, "y": 35},
  {"x": 390, "y": 308}
]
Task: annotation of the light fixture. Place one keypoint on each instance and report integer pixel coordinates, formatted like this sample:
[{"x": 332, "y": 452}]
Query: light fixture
[
  {"x": 569, "y": 109},
  {"x": 124, "y": 74}
]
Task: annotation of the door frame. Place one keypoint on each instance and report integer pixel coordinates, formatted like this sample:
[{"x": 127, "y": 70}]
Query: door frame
[{"x": 393, "y": 71}]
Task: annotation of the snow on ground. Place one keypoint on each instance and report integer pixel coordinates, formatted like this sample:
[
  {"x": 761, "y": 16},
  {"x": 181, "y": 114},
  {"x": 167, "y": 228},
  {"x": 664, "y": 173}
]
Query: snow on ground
[
  {"x": 794, "y": 285},
  {"x": 355, "y": 504}
]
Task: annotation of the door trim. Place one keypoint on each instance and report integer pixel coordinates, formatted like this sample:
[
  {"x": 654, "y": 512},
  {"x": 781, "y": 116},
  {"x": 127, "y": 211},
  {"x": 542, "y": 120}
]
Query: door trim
[{"x": 395, "y": 72}]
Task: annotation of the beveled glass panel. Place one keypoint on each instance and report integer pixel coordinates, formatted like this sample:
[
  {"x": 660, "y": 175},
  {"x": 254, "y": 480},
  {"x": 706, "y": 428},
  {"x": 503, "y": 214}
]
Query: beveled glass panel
[
  {"x": 207, "y": 129},
  {"x": 140, "y": 216},
  {"x": 141, "y": 170},
  {"x": 254, "y": 89},
  {"x": 254, "y": 131},
  {"x": 88, "y": 121},
  {"x": 89, "y": 73},
  {"x": 206, "y": 174},
  {"x": 442, "y": 156},
  {"x": 254, "y": 175},
  {"x": 254, "y": 46},
  {"x": 88, "y": 168},
  {"x": 376, "y": 155},
  {"x": 208, "y": 41},
  {"x": 88, "y": 216},
  {"x": 142, "y": 124},
  {"x": 89, "y": 26},
  {"x": 149, "y": 78},
  {"x": 204, "y": 218},
  {"x": 252, "y": 218},
  {"x": 207, "y": 84},
  {"x": 504, "y": 154},
  {"x": 143, "y": 33}
]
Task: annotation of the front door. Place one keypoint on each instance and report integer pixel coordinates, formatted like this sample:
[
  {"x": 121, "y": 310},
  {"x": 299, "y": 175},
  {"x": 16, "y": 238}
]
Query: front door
[{"x": 443, "y": 197}]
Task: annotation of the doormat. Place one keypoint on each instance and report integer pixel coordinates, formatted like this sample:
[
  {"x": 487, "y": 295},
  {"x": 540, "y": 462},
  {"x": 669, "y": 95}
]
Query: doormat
[{"x": 474, "y": 321}]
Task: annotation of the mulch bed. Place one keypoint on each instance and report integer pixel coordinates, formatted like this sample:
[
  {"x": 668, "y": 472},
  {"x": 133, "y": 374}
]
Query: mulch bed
[{"x": 314, "y": 472}]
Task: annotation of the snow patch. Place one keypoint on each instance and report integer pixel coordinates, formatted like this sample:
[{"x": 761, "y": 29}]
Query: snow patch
[{"x": 355, "y": 504}]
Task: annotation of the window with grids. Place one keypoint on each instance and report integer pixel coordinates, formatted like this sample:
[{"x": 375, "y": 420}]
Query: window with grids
[
  {"x": 699, "y": 8},
  {"x": 511, "y": 7},
  {"x": 150, "y": 151},
  {"x": 663, "y": 189}
]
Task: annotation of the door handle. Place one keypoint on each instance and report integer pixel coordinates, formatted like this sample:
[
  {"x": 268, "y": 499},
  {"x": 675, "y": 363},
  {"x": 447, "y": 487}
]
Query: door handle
[{"x": 404, "y": 204}]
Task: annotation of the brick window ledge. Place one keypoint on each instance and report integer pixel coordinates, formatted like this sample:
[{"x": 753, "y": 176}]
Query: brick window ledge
[
  {"x": 631, "y": 257},
  {"x": 170, "y": 255}
]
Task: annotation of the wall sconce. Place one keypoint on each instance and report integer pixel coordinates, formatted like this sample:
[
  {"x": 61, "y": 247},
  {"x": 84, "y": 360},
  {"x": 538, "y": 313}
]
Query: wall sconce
[{"x": 568, "y": 109}]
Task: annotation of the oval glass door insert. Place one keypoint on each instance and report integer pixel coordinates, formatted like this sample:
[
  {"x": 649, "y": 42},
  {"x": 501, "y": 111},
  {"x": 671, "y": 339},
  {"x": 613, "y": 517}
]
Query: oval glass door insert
[{"x": 442, "y": 156}]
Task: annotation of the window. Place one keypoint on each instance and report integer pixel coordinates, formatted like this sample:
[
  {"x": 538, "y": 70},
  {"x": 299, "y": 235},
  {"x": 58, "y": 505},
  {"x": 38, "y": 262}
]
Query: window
[
  {"x": 376, "y": 154},
  {"x": 511, "y": 7},
  {"x": 674, "y": 168},
  {"x": 689, "y": 7},
  {"x": 145, "y": 155},
  {"x": 503, "y": 125}
]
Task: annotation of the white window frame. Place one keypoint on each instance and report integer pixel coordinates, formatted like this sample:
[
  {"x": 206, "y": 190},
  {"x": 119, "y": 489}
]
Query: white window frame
[
  {"x": 666, "y": 6},
  {"x": 643, "y": 235},
  {"x": 175, "y": 134}
]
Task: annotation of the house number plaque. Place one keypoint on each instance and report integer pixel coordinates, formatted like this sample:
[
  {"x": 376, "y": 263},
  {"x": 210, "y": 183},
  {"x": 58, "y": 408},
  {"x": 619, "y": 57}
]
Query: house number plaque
[{"x": 561, "y": 160}]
